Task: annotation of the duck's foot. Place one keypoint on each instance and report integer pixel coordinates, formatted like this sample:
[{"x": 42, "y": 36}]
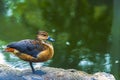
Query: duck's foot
[{"x": 39, "y": 72}]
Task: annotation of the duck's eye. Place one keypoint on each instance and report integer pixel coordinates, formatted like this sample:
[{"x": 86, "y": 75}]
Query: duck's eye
[{"x": 43, "y": 34}]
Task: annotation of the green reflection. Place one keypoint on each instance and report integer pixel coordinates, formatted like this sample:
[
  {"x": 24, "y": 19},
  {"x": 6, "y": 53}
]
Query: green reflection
[{"x": 81, "y": 29}]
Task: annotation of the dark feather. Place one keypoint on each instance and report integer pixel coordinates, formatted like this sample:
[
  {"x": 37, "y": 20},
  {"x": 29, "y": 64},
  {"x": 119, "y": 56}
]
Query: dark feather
[{"x": 30, "y": 47}]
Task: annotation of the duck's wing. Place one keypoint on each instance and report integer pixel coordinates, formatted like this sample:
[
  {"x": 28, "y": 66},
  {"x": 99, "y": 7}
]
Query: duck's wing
[{"x": 30, "y": 47}]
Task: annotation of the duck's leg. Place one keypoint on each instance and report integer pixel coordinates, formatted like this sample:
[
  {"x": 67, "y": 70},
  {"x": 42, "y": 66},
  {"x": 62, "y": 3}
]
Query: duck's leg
[
  {"x": 37, "y": 71},
  {"x": 31, "y": 65}
]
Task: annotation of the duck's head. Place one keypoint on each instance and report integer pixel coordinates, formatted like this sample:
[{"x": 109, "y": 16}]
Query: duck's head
[{"x": 42, "y": 35}]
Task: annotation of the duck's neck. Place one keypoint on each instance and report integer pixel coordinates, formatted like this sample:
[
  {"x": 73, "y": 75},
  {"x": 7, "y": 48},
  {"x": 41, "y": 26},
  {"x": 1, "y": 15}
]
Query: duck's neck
[
  {"x": 40, "y": 41},
  {"x": 44, "y": 42}
]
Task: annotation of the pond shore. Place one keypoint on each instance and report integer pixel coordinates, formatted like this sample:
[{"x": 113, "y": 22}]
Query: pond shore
[{"x": 9, "y": 73}]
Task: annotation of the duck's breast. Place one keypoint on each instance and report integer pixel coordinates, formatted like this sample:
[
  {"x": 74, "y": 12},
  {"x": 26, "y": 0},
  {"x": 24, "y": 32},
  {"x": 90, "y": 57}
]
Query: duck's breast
[{"x": 46, "y": 54}]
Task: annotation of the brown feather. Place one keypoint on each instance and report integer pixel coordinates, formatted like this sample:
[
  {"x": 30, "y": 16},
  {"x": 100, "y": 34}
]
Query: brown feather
[
  {"x": 9, "y": 49},
  {"x": 42, "y": 56}
]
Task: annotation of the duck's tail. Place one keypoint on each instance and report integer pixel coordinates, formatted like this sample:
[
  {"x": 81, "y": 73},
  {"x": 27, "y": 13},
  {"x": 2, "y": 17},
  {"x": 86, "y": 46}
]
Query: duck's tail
[{"x": 9, "y": 49}]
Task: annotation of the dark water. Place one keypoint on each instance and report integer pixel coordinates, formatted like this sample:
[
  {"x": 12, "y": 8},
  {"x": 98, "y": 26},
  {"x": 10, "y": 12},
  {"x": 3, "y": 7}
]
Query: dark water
[{"x": 81, "y": 29}]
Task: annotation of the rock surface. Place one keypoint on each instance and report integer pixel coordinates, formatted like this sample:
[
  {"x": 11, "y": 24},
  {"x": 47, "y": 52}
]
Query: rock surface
[{"x": 9, "y": 73}]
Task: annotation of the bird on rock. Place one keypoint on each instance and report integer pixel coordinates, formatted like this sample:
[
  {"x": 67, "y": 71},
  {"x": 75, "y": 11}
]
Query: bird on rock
[{"x": 37, "y": 50}]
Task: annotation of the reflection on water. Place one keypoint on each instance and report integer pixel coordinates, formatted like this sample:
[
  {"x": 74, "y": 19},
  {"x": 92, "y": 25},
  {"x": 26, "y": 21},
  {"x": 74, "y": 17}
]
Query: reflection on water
[
  {"x": 86, "y": 64},
  {"x": 107, "y": 63},
  {"x": 97, "y": 63}
]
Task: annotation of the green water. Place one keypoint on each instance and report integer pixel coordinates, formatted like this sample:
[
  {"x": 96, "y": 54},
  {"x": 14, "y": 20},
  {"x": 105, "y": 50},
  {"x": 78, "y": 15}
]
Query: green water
[{"x": 81, "y": 29}]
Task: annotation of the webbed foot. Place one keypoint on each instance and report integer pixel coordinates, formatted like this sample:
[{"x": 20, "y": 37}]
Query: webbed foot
[{"x": 39, "y": 72}]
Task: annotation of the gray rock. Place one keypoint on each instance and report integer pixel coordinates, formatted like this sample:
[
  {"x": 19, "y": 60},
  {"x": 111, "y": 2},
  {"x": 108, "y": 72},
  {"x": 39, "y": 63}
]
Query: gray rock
[{"x": 9, "y": 73}]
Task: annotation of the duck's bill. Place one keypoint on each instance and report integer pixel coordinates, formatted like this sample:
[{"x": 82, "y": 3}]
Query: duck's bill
[{"x": 50, "y": 39}]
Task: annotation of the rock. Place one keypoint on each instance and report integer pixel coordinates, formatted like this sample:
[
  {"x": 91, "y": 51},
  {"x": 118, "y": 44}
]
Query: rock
[
  {"x": 9, "y": 73},
  {"x": 103, "y": 76}
]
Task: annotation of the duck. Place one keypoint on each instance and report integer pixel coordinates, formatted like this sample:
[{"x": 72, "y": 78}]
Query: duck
[{"x": 36, "y": 50}]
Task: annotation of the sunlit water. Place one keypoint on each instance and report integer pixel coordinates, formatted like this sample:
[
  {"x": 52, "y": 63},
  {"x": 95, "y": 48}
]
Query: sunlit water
[
  {"x": 2, "y": 59},
  {"x": 101, "y": 63}
]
